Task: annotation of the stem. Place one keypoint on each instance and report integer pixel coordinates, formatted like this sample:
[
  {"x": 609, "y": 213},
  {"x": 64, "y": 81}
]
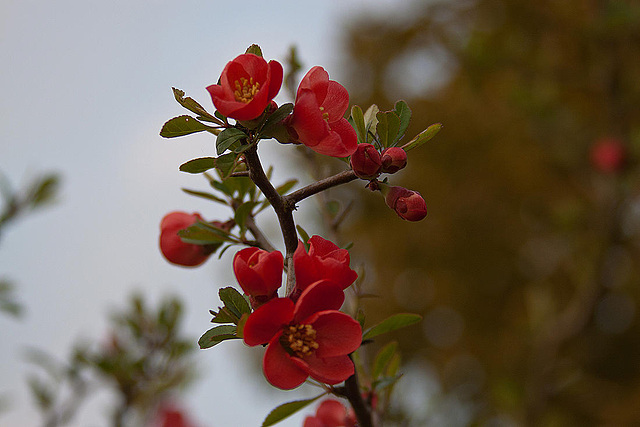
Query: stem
[
  {"x": 317, "y": 187},
  {"x": 261, "y": 239},
  {"x": 283, "y": 212},
  {"x": 351, "y": 391}
]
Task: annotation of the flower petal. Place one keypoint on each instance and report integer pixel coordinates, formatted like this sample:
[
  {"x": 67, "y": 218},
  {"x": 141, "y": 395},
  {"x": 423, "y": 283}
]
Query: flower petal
[
  {"x": 267, "y": 320},
  {"x": 337, "y": 333},
  {"x": 332, "y": 413},
  {"x": 328, "y": 370},
  {"x": 319, "y": 296},
  {"x": 280, "y": 369},
  {"x": 336, "y": 102},
  {"x": 275, "y": 78},
  {"x": 317, "y": 81}
]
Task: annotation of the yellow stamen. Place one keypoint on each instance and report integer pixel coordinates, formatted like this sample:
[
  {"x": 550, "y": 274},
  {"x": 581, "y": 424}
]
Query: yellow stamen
[
  {"x": 300, "y": 339},
  {"x": 246, "y": 89}
]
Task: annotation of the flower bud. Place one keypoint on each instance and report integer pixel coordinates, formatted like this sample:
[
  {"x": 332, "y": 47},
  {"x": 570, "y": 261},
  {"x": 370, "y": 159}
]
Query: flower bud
[
  {"x": 408, "y": 204},
  {"x": 366, "y": 161},
  {"x": 171, "y": 245},
  {"x": 393, "y": 159},
  {"x": 608, "y": 155},
  {"x": 259, "y": 272}
]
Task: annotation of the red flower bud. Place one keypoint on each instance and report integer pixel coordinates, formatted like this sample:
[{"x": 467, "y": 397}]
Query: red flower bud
[
  {"x": 317, "y": 120},
  {"x": 247, "y": 86},
  {"x": 259, "y": 272},
  {"x": 331, "y": 413},
  {"x": 171, "y": 245},
  {"x": 408, "y": 204},
  {"x": 366, "y": 162},
  {"x": 325, "y": 261},
  {"x": 608, "y": 155},
  {"x": 393, "y": 159}
]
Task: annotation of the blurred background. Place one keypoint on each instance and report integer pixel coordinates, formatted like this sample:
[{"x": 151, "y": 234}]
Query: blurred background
[{"x": 526, "y": 268}]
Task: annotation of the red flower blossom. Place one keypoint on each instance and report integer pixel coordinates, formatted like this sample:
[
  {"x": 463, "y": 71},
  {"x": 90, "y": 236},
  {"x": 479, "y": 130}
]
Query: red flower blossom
[
  {"x": 170, "y": 416},
  {"x": 325, "y": 261},
  {"x": 408, "y": 204},
  {"x": 608, "y": 155},
  {"x": 366, "y": 162},
  {"x": 247, "y": 86},
  {"x": 331, "y": 413},
  {"x": 173, "y": 248},
  {"x": 307, "y": 338},
  {"x": 259, "y": 272},
  {"x": 317, "y": 120},
  {"x": 393, "y": 159}
]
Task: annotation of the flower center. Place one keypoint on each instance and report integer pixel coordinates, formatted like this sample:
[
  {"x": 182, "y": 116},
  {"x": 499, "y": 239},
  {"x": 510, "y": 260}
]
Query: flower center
[
  {"x": 324, "y": 115},
  {"x": 246, "y": 89},
  {"x": 300, "y": 339}
]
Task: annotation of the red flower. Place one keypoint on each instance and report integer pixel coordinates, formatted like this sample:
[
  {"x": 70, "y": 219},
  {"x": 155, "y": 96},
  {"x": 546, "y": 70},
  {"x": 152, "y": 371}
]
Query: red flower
[
  {"x": 608, "y": 155},
  {"x": 259, "y": 272},
  {"x": 247, "y": 86},
  {"x": 408, "y": 204},
  {"x": 366, "y": 161},
  {"x": 173, "y": 248},
  {"x": 170, "y": 416},
  {"x": 317, "y": 120},
  {"x": 307, "y": 338},
  {"x": 393, "y": 159},
  {"x": 325, "y": 261},
  {"x": 331, "y": 413}
]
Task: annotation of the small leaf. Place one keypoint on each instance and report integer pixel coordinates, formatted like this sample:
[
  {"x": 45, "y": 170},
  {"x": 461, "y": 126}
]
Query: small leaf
[
  {"x": 284, "y": 188},
  {"x": 404, "y": 113},
  {"x": 382, "y": 358},
  {"x": 183, "y": 125},
  {"x": 304, "y": 236},
  {"x": 397, "y": 321},
  {"x": 388, "y": 125},
  {"x": 358, "y": 121},
  {"x": 216, "y": 335},
  {"x": 199, "y": 165},
  {"x": 199, "y": 235},
  {"x": 370, "y": 120},
  {"x": 191, "y": 105},
  {"x": 423, "y": 137},
  {"x": 243, "y": 211},
  {"x": 234, "y": 301},
  {"x": 227, "y": 138},
  {"x": 205, "y": 195},
  {"x": 255, "y": 49},
  {"x": 287, "y": 409},
  {"x": 276, "y": 117},
  {"x": 221, "y": 316},
  {"x": 225, "y": 164},
  {"x": 43, "y": 190}
]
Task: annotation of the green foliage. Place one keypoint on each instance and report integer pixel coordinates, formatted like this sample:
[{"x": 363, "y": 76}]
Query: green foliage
[
  {"x": 423, "y": 137},
  {"x": 191, "y": 105},
  {"x": 229, "y": 138},
  {"x": 234, "y": 301},
  {"x": 216, "y": 335},
  {"x": 383, "y": 358},
  {"x": 357, "y": 118},
  {"x": 287, "y": 409},
  {"x": 396, "y": 321},
  {"x": 388, "y": 127},
  {"x": 254, "y": 49},
  {"x": 184, "y": 125}
]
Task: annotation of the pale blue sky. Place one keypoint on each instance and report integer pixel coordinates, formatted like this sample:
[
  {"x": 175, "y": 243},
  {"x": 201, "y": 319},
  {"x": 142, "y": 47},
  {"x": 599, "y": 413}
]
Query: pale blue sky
[{"x": 86, "y": 86}]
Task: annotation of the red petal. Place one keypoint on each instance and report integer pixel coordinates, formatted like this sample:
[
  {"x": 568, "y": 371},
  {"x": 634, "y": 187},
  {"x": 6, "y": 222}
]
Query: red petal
[
  {"x": 275, "y": 79},
  {"x": 267, "y": 321},
  {"x": 330, "y": 370},
  {"x": 337, "y": 333},
  {"x": 280, "y": 369},
  {"x": 307, "y": 119},
  {"x": 336, "y": 102},
  {"x": 317, "y": 81},
  {"x": 319, "y": 246},
  {"x": 319, "y": 296},
  {"x": 313, "y": 422},
  {"x": 332, "y": 413}
]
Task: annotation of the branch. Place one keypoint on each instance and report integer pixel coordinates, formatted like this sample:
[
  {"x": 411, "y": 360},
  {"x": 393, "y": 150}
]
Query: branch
[
  {"x": 317, "y": 187},
  {"x": 261, "y": 239}
]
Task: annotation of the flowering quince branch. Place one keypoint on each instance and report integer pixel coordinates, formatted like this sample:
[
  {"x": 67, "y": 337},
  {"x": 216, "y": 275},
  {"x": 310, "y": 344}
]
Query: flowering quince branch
[{"x": 305, "y": 333}]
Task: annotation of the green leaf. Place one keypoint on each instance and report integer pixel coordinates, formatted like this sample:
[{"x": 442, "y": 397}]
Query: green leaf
[
  {"x": 388, "y": 126},
  {"x": 243, "y": 211},
  {"x": 397, "y": 321},
  {"x": 255, "y": 49},
  {"x": 287, "y": 409},
  {"x": 199, "y": 235},
  {"x": 423, "y": 137},
  {"x": 370, "y": 120},
  {"x": 199, "y": 165},
  {"x": 43, "y": 190},
  {"x": 227, "y": 138},
  {"x": 205, "y": 195},
  {"x": 221, "y": 316},
  {"x": 216, "y": 335},
  {"x": 183, "y": 125},
  {"x": 234, "y": 301},
  {"x": 383, "y": 357},
  {"x": 284, "y": 188},
  {"x": 276, "y": 117},
  {"x": 225, "y": 164},
  {"x": 358, "y": 121},
  {"x": 192, "y": 105},
  {"x": 304, "y": 236},
  {"x": 404, "y": 113}
]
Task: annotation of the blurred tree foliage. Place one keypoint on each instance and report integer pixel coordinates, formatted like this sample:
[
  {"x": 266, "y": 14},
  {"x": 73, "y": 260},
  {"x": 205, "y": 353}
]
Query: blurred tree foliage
[{"x": 526, "y": 268}]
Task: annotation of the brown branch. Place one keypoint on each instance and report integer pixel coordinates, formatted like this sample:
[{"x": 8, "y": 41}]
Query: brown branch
[
  {"x": 261, "y": 239},
  {"x": 317, "y": 187}
]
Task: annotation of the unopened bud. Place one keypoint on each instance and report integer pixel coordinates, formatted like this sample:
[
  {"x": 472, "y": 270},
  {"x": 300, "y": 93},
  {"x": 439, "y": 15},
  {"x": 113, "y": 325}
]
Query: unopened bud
[
  {"x": 366, "y": 161},
  {"x": 408, "y": 204},
  {"x": 393, "y": 159}
]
